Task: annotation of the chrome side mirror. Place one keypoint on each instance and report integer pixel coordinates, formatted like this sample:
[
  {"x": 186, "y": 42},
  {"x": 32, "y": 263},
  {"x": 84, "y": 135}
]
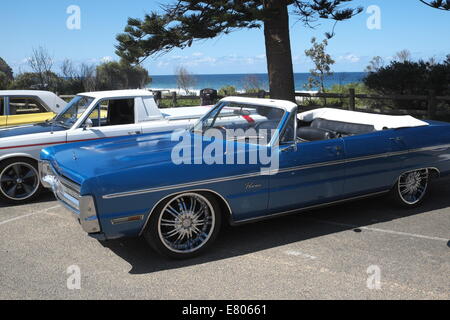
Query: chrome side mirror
[{"x": 87, "y": 124}]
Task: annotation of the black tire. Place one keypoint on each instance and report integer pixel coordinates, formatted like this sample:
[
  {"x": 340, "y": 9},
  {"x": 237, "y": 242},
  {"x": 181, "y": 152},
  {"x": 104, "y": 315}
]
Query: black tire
[
  {"x": 154, "y": 234},
  {"x": 19, "y": 181},
  {"x": 419, "y": 184}
]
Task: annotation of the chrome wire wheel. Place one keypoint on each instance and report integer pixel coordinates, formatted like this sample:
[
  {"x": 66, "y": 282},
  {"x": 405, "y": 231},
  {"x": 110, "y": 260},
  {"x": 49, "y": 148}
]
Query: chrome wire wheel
[
  {"x": 19, "y": 181},
  {"x": 412, "y": 186},
  {"x": 186, "y": 223}
]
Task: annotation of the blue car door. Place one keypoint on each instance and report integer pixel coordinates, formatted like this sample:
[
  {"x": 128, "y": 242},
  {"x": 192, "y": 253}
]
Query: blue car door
[
  {"x": 311, "y": 174},
  {"x": 374, "y": 161}
]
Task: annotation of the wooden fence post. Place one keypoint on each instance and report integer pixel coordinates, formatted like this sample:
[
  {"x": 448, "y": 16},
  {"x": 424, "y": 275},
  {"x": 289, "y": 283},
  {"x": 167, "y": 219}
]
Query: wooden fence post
[
  {"x": 432, "y": 103},
  {"x": 352, "y": 99},
  {"x": 174, "y": 99}
]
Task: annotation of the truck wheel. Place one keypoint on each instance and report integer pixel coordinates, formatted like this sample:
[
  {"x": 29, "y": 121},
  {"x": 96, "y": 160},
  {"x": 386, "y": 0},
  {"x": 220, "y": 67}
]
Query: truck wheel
[
  {"x": 19, "y": 181},
  {"x": 184, "y": 225},
  {"x": 411, "y": 188}
]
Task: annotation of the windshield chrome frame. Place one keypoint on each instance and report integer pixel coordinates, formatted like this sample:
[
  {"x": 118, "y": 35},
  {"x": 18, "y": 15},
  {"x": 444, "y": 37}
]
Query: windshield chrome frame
[
  {"x": 281, "y": 124},
  {"x": 76, "y": 123}
]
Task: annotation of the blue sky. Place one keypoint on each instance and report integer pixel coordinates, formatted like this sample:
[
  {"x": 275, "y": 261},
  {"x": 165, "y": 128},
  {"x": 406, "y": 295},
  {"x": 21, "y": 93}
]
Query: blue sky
[{"x": 405, "y": 24}]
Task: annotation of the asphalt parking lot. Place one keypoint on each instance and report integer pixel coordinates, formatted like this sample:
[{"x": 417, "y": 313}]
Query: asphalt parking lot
[{"x": 324, "y": 254}]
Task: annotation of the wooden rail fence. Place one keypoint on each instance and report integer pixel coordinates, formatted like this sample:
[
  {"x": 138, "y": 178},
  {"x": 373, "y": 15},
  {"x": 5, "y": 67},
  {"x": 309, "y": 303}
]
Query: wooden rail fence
[{"x": 431, "y": 112}]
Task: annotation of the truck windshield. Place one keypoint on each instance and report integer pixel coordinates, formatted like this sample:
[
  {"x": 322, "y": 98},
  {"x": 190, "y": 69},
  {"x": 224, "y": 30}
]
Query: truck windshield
[{"x": 73, "y": 111}]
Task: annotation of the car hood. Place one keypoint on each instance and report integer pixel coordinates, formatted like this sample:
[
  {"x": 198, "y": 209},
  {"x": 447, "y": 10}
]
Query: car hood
[
  {"x": 84, "y": 160},
  {"x": 133, "y": 163},
  {"x": 30, "y": 129}
]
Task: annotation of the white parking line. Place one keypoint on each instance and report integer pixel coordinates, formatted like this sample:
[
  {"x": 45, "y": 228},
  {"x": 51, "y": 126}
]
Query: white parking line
[
  {"x": 297, "y": 253},
  {"x": 381, "y": 230},
  {"x": 28, "y": 215}
]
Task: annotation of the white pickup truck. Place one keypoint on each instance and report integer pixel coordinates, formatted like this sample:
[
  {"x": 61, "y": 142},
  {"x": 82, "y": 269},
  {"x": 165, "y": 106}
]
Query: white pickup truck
[{"x": 89, "y": 116}]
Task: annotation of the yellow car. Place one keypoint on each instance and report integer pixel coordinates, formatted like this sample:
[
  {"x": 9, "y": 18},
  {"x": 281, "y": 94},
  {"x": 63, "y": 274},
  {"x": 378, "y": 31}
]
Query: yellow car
[{"x": 19, "y": 107}]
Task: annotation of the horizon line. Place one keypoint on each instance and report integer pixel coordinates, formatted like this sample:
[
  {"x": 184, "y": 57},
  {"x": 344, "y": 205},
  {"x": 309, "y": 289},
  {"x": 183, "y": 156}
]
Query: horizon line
[{"x": 249, "y": 73}]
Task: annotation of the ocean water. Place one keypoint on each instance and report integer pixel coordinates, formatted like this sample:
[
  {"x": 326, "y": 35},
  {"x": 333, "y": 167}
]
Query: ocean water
[{"x": 217, "y": 81}]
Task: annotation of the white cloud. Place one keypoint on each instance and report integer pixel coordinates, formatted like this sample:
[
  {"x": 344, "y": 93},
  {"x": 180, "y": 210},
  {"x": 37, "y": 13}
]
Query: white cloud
[
  {"x": 352, "y": 58},
  {"x": 106, "y": 59}
]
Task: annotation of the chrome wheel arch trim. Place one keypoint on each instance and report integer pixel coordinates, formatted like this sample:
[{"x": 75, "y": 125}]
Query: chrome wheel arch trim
[
  {"x": 17, "y": 155},
  {"x": 430, "y": 169},
  {"x": 230, "y": 212},
  {"x": 421, "y": 194}
]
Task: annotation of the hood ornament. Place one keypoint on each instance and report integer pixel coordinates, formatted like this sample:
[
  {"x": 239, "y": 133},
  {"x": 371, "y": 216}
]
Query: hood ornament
[{"x": 74, "y": 156}]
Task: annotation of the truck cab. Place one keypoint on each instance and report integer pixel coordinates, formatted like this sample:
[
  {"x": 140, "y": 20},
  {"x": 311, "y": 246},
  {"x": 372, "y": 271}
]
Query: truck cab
[{"x": 89, "y": 116}]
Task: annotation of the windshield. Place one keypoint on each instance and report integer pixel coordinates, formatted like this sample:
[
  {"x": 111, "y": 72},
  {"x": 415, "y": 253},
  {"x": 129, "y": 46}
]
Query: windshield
[
  {"x": 243, "y": 122},
  {"x": 73, "y": 111}
]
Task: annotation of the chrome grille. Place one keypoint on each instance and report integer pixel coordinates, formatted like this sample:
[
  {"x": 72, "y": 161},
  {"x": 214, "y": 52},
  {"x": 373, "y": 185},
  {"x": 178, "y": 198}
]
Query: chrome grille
[{"x": 68, "y": 192}]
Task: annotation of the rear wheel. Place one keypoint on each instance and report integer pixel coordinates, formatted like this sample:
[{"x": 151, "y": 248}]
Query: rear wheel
[
  {"x": 19, "y": 181},
  {"x": 184, "y": 225},
  {"x": 412, "y": 188}
]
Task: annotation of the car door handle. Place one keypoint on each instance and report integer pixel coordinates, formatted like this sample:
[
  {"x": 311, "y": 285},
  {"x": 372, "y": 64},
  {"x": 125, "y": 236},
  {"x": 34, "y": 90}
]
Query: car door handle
[
  {"x": 335, "y": 149},
  {"x": 396, "y": 139},
  {"x": 131, "y": 133}
]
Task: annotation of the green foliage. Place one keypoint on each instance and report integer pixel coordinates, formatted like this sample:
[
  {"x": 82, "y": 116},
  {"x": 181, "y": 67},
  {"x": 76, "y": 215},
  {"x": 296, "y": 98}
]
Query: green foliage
[
  {"x": 359, "y": 87},
  {"x": 414, "y": 78},
  {"x": 32, "y": 80},
  {"x": 6, "y": 70},
  {"x": 322, "y": 62},
  {"x": 121, "y": 75},
  {"x": 4, "y": 81},
  {"x": 227, "y": 91},
  {"x": 181, "y": 102},
  {"x": 6, "y": 75},
  {"x": 106, "y": 76},
  {"x": 411, "y": 78}
]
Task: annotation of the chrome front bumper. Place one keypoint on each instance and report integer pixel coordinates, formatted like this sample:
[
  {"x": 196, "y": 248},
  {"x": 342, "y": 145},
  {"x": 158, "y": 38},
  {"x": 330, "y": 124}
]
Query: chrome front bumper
[{"x": 68, "y": 194}]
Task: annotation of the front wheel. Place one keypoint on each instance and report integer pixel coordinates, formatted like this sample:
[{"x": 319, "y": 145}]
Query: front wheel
[
  {"x": 184, "y": 225},
  {"x": 19, "y": 181},
  {"x": 412, "y": 188}
]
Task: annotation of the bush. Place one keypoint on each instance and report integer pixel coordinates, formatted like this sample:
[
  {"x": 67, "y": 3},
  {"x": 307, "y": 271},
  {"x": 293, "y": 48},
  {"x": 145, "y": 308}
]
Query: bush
[
  {"x": 6, "y": 70},
  {"x": 410, "y": 78},
  {"x": 359, "y": 87},
  {"x": 227, "y": 91},
  {"x": 121, "y": 75},
  {"x": 32, "y": 80}
]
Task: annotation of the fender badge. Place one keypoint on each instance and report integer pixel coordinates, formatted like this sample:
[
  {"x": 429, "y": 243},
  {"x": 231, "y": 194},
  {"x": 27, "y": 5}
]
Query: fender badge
[{"x": 251, "y": 186}]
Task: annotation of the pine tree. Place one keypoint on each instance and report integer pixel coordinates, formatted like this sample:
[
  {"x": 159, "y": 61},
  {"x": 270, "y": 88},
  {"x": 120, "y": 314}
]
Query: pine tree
[{"x": 183, "y": 22}]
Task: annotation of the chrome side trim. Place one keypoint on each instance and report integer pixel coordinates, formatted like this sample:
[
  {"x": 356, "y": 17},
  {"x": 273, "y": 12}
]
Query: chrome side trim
[
  {"x": 176, "y": 193},
  {"x": 299, "y": 210},
  {"x": 180, "y": 186},
  {"x": 256, "y": 174}
]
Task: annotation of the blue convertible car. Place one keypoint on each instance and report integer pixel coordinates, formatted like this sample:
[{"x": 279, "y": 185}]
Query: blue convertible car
[{"x": 247, "y": 159}]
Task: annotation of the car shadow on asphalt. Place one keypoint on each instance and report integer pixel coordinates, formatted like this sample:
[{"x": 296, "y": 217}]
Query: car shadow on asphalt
[
  {"x": 252, "y": 238},
  {"x": 44, "y": 197}
]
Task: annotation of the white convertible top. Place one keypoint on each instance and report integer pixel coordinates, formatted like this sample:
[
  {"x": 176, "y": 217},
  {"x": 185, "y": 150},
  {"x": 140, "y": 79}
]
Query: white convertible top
[
  {"x": 379, "y": 121},
  {"x": 281, "y": 104}
]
